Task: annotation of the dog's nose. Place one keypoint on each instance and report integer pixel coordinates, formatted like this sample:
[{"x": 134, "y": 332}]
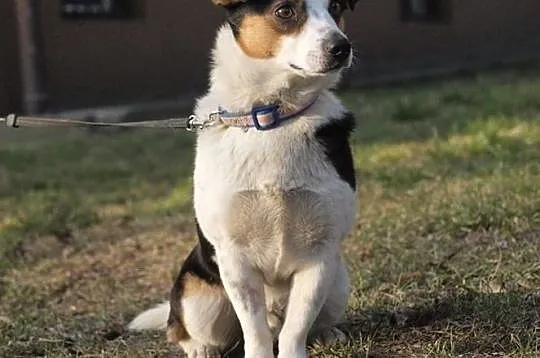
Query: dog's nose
[{"x": 340, "y": 48}]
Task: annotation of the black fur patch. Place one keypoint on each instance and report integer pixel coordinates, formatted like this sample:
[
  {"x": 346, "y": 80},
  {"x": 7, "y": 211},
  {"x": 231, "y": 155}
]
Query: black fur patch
[
  {"x": 334, "y": 137},
  {"x": 203, "y": 265},
  {"x": 352, "y": 4},
  {"x": 198, "y": 263}
]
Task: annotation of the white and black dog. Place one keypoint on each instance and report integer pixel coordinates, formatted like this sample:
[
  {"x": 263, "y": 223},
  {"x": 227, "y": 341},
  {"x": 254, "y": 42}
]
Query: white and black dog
[{"x": 274, "y": 187}]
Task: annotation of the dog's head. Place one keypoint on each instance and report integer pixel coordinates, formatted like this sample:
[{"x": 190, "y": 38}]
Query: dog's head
[{"x": 302, "y": 36}]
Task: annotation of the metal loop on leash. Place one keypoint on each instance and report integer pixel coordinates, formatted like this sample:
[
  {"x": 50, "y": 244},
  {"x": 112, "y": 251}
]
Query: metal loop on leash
[
  {"x": 10, "y": 120},
  {"x": 195, "y": 123}
]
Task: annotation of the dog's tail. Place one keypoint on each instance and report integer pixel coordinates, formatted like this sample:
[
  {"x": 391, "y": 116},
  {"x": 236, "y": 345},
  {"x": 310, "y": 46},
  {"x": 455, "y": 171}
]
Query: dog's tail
[{"x": 152, "y": 319}]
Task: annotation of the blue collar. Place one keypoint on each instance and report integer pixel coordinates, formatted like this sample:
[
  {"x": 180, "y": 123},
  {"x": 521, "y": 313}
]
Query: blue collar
[{"x": 264, "y": 117}]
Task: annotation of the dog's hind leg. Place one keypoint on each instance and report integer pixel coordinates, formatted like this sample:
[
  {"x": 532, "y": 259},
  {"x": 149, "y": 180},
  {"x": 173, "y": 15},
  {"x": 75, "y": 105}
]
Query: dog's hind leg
[{"x": 202, "y": 319}]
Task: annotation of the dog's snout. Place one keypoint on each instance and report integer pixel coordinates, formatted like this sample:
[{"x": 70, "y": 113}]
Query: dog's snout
[{"x": 339, "y": 48}]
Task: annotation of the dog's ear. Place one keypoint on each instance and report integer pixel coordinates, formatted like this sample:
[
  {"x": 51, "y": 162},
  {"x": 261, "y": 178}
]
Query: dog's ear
[
  {"x": 230, "y": 2},
  {"x": 352, "y": 4}
]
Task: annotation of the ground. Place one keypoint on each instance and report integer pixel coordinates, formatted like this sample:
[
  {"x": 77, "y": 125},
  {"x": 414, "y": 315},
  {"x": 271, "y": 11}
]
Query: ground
[{"x": 444, "y": 258}]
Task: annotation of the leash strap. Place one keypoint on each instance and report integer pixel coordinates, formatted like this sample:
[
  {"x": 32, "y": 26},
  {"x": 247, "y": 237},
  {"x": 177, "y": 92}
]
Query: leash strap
[
  {"x": 14, "y": 121},
  {"x": 262, "y": 118}
]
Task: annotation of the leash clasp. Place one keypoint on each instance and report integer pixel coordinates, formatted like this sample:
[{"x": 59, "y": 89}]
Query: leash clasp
[
  {"x": 10, "y": 120},
  {"x": 195, "y": 124}
]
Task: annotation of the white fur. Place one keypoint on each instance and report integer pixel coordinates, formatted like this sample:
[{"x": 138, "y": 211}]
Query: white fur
[
  {"x": 209, "y": 313},
  {"x": 231, "y": 161},
  {"x": 307, "y": 49},
  {"x": 271, "y": 270},
  {"x": 154, "y": 318},
  {"x": 238, "y": 81}
]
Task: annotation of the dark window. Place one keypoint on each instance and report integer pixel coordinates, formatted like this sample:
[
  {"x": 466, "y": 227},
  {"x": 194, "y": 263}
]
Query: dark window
[
  {"x": 425, "y": 10},
  {"x": 109, "y": 9}
]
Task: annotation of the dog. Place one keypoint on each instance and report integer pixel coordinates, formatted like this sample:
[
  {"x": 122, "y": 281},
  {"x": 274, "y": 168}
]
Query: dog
[{"x": 274, "y": 187}]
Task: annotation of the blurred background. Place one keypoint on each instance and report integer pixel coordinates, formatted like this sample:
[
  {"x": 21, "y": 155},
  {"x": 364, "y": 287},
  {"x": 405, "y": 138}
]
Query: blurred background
[
  {"x": 94, "y": 224},
  {"x": 65, "y": 54}
]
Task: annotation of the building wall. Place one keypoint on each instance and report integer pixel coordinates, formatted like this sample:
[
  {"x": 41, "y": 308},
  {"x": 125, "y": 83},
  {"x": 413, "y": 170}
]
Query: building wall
[
  {"x": 165, "y": 52},
  {"x": 478, "y": 30},
  {"x": 9, "y": 71},
  {"x": 162, "y": 53}
]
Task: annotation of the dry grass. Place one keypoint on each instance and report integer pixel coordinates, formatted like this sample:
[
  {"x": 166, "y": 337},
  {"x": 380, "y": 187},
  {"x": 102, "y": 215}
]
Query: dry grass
[{"x": 444, "y": 259}]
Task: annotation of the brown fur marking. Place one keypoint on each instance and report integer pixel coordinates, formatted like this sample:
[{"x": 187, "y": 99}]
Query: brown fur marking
[
  {"x": 176, "y": 332},
  {"x": 191, "y": 286},
  {"x": 260, "y": 35}
]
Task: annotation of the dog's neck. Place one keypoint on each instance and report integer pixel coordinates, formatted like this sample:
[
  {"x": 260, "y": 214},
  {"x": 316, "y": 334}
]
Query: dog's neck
[{"x": 241, "y": 82}]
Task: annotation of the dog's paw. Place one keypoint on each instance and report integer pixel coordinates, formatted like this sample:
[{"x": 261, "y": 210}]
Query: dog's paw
[
  {"x": 328, "y": 336},
  {"x": 203, "y": 352}
]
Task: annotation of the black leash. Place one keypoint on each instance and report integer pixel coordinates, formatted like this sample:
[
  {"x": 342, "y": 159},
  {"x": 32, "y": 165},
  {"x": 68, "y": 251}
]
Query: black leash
[{"x": 190, "y": 123}]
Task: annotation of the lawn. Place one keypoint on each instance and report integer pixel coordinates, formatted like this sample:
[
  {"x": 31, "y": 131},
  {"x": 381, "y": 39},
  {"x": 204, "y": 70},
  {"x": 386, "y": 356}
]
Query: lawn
[{"x": 444, "y": 259}]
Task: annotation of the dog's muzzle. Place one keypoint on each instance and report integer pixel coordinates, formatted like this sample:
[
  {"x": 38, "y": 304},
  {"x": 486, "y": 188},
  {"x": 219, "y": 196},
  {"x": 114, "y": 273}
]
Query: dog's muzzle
[{"x": 338, "y": 51}]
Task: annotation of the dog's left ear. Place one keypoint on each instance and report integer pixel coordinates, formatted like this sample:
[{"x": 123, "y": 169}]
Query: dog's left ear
[{"x": 352, "y": 4}]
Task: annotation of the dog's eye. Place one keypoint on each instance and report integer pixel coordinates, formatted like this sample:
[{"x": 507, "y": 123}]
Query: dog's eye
[
  {"x": 285, "y": 12},
  {"x": 335, "y": 8}
]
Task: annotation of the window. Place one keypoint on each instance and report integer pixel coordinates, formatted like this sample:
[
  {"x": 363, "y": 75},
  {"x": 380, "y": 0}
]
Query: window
[
  {"x": 425, "y": 10},
  {"x": 116, "y": 9}
]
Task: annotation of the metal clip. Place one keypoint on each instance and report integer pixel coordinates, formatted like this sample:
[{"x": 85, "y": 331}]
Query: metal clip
[
  {"x": 10, "y": 120},
  {"x": 195, "y": 124},
  {"x": 214, "y": 116}
]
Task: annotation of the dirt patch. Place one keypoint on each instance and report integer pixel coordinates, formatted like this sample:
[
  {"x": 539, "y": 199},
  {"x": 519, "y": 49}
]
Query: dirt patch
[{"x": 107, "y": 276}]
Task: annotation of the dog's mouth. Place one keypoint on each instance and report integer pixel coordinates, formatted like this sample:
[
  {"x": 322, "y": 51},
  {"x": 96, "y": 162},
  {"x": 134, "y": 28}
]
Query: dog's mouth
[
  {"x": 336, "y": 67},
  {"x": 325, "y": 71}
]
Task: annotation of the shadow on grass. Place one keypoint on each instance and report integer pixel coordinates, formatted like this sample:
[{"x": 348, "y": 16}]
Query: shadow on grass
[{"x": 472, "y": 324}]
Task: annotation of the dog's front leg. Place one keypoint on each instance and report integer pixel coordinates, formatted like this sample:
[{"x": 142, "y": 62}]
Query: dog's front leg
[
  {"x": 309, "y": 291},
  {"x": 245, "y": 288}
]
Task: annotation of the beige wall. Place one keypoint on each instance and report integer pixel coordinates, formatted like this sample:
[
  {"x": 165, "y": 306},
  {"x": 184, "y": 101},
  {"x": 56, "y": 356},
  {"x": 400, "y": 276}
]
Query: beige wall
[{"x": 164, "y": 53}]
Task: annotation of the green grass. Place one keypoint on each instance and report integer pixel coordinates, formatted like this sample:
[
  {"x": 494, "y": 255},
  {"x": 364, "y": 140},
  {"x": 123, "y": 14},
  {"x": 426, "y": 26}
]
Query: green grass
[{"x": 444, "y": 259}]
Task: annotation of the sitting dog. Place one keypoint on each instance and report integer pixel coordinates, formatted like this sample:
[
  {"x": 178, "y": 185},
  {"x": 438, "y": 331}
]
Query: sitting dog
[{"x": 274, "y": 187}]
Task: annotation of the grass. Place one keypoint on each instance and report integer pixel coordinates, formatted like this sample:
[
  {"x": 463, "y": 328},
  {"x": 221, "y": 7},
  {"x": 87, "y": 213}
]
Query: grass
[{"x": 443, "y": 260}]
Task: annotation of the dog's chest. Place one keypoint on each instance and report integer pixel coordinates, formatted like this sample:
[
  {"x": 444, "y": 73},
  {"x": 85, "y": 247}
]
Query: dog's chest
[
  {"x": 270, "y": 192},
  {"x": 232, "y": 160}
]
